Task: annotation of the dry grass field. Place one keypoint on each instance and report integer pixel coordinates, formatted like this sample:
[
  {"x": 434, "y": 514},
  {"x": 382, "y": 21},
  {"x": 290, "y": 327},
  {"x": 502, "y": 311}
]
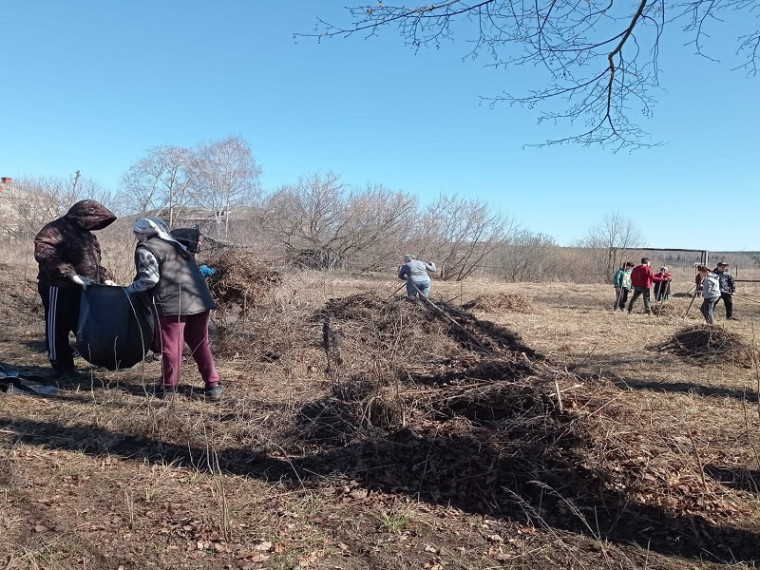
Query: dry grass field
[{"x": 534, "y": 429}]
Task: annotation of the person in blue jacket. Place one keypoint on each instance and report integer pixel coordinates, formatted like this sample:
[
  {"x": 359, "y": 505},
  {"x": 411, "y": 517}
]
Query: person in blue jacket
[{"x": 415, "y": 273}]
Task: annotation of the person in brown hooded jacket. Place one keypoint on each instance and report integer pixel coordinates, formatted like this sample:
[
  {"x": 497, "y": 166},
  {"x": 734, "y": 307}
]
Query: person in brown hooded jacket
[{"x": 68, "y": 254}]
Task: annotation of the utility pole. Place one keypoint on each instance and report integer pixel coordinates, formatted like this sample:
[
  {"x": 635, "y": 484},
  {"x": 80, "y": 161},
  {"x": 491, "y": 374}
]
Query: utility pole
[{"x": 77, "y": 174}]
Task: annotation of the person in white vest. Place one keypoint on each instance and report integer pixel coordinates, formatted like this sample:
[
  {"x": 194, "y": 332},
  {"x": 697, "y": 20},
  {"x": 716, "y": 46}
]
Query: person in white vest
[{"x": 167, "y": 272}]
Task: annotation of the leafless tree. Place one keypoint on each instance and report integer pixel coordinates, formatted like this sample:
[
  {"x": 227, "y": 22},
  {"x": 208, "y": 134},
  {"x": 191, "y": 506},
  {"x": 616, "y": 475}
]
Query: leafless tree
[
  {"x": 159, "y": 182},
  {"x": 307, "y": 215},
  {"x": 610, "y": 241},
  {"x": 224, "y": 175},
  {"x": 599, "y": 58},
  {"x": 458, "y": 233},
  {"x": 528, "y": 256},
  {"x": 379, "y": 223},
  {"x": 322, "y": 223}
]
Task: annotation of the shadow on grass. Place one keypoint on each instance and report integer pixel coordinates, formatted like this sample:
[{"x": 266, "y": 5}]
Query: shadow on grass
[
  {"x": 529, "y": 482},
  {"x": 735, "y": 477},
  {"x": 685, "y": 388},
  {"x": 84, "y": 379},
  {"x": 35, "y": 345}
]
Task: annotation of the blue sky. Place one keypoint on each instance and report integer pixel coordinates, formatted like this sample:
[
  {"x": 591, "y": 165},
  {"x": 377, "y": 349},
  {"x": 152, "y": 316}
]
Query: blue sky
[{"x": 90, "y": 85}]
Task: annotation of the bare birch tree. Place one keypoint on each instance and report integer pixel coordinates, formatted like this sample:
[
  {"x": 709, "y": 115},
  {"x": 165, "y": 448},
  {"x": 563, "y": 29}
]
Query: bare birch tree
[
  {"x": 159, "y": 182},
  {"x": 379, "y": 223},
  {"x": 224, "y": 175},
  {"x": 307, "y": 216},
  {"x": 322, "y": 223}
]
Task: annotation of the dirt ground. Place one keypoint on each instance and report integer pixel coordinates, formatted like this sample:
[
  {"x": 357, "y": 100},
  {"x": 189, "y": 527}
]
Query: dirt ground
[{"x": 534, "y": 429}]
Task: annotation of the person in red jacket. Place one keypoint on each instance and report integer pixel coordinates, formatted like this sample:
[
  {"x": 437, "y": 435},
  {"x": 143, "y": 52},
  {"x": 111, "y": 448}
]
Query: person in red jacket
[
  {"x": 642, "y": 278},
  {"x": 662, "y": 281}
]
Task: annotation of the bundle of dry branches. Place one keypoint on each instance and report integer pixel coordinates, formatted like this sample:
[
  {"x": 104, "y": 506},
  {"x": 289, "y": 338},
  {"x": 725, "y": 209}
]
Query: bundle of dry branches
[
  {"x": 240, "y": 279},
  {"x": 710, "y": 344}
]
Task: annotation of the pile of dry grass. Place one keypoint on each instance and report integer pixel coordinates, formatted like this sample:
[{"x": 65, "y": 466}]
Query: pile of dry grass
[
  {"x": 240, "y": 279},
  {"x": 515, "y": 302},
  {"x": 395, "y": 362},
  {"x": 357, "y": 409},
  {"x": 664, "y": 309},
  {"x": 426, "y": 342},
  {"x": 709, "y": 344}
]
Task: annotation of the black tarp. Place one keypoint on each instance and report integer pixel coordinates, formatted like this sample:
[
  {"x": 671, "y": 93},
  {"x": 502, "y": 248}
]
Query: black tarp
[{"x": 115, "y": 328}]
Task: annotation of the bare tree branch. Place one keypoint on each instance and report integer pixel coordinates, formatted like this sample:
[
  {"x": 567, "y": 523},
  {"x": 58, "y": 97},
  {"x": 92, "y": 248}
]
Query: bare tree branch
[{"x": 599, "y": 57}]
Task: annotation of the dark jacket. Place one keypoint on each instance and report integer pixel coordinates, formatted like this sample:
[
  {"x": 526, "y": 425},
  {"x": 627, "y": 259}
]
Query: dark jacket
[
  {"x": 66, "y": 247},
  {"x": 727, "y": 284},
  {"x": 189, "y": 237},
  {"x": 181, "y": 288}
]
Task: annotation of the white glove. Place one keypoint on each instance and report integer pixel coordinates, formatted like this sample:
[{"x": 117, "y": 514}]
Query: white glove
[
  {"x": 83, "y": 282},
  {"x": 109, "y": 282}
]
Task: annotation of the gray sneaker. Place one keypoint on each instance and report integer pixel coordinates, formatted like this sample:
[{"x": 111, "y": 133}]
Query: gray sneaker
[
  {"x": 160, "y": 391},
  {"x": 213, "y": 392}
]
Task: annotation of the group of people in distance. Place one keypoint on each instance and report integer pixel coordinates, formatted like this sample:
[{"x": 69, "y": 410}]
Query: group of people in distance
[
  {"x": 166, "y": 274},
  {"x": 640, "y": 279},
  {"x": 713, "y": 285}
]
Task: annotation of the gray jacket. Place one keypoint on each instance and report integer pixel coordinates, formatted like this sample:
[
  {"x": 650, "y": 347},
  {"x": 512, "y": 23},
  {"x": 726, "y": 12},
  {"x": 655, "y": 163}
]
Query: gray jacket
[
  {"x": 416, "y": 270},
  {"x": 711, "y": 286}
]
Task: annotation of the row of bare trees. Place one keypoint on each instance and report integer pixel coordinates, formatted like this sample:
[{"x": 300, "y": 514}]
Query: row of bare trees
[
  {"x": 29, "y": 203},
  {"x": 214, "y": 180},
  {"x": 320, "y": 222}
]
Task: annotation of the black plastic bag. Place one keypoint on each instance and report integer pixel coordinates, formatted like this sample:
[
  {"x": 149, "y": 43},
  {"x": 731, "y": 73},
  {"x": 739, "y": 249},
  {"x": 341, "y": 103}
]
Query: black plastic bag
[{"x": 115, "y": 328}]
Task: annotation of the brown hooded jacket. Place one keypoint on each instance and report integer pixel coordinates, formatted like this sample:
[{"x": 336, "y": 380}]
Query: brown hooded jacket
[{"x": 66, "y": 247}]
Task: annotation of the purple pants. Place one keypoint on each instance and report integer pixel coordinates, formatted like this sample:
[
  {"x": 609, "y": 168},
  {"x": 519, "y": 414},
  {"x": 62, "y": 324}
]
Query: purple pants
[{"x": 175, "y": 332}]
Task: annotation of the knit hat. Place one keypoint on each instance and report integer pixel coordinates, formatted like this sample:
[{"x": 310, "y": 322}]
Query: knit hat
[{"x": 154, "y": 227}]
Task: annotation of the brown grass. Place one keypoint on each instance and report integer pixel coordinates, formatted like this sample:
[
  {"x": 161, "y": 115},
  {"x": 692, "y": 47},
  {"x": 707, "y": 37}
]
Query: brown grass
[
  {"x": 361, "y": 430},
  {"x": 517, "y": 302}
]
